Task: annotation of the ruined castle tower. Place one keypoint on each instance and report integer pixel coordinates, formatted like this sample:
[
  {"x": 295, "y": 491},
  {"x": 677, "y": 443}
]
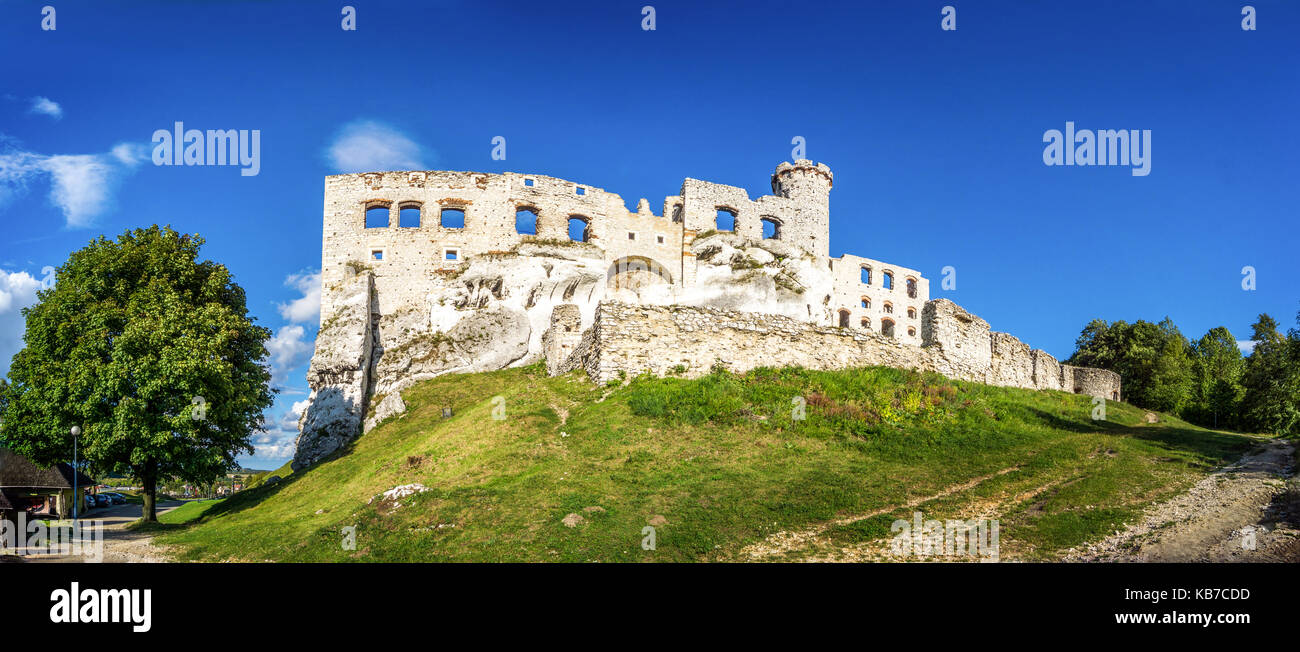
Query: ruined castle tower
[{"x": 808, "y": 185}]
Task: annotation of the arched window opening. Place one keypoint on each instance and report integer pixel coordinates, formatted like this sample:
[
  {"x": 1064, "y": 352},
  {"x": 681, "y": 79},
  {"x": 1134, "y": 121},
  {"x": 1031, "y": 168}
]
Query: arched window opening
[
  {"x": 866, "y": 323},
  {"x": 377, "y": 216},
  {"x": 726, "y": 220},
  {"x": 887, "y": 327},
  {"x": 409, "y": 216},
  {"x": 453, "y": 218},
  {"x": 911, "y": 288},
  {"x": 888, "y": 283},
  {"x": 771, "y": 228},
  {"x": 866, "y": 303},
  {"x": 866, "y": 275},
  {"x": 911, "y": 332},
  {"x": 526, "y": 221},
  {"x": 911, "y": 313},
  {"x": 579, "y": 228},
  {"x": 889, "y": 308},
  {"x": 844, "y": 319}
]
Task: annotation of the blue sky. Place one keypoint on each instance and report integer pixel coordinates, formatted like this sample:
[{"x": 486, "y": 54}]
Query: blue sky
[{"x": 935, "y": 137}]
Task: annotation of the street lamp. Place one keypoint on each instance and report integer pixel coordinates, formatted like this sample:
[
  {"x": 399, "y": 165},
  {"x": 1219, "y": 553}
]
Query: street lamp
[{"x": 76, "y": 494}]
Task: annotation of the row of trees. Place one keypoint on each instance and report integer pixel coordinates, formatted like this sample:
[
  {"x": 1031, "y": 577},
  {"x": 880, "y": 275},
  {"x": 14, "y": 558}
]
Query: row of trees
[
  {"x": 150, "y": 351},
  {"x": 1208, "y": 381}
]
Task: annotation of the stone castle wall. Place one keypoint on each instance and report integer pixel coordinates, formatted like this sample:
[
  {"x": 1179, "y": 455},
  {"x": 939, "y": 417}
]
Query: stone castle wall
[
  {"x": 409, "y": 261},
  {"x": 626, "y": 340}
]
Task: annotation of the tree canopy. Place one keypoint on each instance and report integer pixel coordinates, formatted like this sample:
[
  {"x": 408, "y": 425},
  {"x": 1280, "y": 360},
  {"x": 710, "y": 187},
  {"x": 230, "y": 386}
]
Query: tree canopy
[
  {"x": 151, "y": 352},
  {"x": 1207, "y": 382}
]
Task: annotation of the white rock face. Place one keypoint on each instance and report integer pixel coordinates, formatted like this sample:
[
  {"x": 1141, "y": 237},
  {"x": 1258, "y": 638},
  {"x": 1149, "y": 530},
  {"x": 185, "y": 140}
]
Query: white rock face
[
  {"x": 494, "y": 314},
  {"x": 338, "y": 376},
  {"x": 392, "y": 405}
]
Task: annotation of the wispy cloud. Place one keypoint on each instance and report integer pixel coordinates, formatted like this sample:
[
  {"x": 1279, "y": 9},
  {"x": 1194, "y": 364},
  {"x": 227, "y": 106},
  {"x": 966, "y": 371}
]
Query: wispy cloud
[
  {"x": 46, "y": 106},
  {"x": 368, "y": 146},
  {"x": 1247, "y": 346},
  {"x": 278, "y": 439},
  {"x": 81, "y": 185},
  {"x": 289, "y": 350},
  {"x": 305, "y": 309},
  {"x": 17, "y": 291}
]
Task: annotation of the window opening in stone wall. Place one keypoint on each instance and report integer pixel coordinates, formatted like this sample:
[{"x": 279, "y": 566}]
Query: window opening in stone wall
[
  {"x": 409, "y": 216},
  {"x": 579, "y": 228},
  {"x": 726, "y": 220},
  {"x": 866, "y": 303},
  {"x": 377, "y": 254},
  {"x": 451, "y": 254},
  {"x": 911, "y": 313},
  {"x": 911, "y": 332},
  {"x": 889, "y": 308},
  {"x": 659, "y": 239},
  {"x": 376, "y": 217},
  {"x": 528, "y": 182},
  {"x": 911, "y": 288},
  {"x": 771, "y": 228},
  {"x": 453, "y": 218},
  {"x": 887, "y": 327},
  {"x": 866, "y": 275},
  {"x": 580, "y": 190},
  {"x": 631, "y": 235},
  {"x": 888, "y": 281},
  {"x": 526, "y": 221},
  {"x": 844, "y": 319},
  {"x": 866, "y": 323}
]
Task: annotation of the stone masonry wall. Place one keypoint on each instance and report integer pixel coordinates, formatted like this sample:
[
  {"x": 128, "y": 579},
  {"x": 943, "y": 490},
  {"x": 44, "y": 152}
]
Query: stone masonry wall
[{"x": 627, "y": 340}]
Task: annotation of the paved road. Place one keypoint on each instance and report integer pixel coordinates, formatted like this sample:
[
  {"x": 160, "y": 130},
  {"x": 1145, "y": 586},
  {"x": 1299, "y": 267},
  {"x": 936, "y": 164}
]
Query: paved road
[{"x": 120, "y": 544}]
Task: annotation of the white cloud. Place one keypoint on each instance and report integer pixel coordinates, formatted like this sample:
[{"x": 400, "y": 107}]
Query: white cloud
[
  {"x": 278, "y": 440},
  {"x": 288, "y": 351},
  {"x": 16, "y": 168},
  {"x": 274, "y": 444},
  {"x": 367, "y": 146},
  {"x": 305, "y": 309},
  {"x": 1247, "y": 346},
  {"x": 46, "y": 106},
  {"x": 130, "y": 154},
  {"x": 81, "y": 185},
  {"x": 17, "y": 291}
]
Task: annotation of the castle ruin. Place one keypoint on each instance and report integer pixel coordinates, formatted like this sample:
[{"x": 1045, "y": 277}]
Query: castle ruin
[{"x": 433, "y": 272}]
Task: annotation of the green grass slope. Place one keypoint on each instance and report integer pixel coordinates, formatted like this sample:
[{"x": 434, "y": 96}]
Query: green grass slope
[{"x": 716, "y": 463}]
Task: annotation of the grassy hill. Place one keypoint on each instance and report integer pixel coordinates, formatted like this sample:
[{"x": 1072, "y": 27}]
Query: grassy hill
[{"x": 716, "y": 463}]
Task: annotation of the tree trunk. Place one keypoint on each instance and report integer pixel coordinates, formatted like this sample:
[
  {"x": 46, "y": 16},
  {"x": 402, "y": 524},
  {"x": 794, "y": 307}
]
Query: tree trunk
[{"x": 149, "y": 479}]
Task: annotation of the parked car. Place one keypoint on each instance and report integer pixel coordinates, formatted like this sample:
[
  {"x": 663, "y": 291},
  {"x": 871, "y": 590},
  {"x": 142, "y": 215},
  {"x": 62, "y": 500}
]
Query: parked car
[
  {"x": 90, "y": 503},
  {"x": 101, "y": 500},
  {"x": 116, "y": 498}
]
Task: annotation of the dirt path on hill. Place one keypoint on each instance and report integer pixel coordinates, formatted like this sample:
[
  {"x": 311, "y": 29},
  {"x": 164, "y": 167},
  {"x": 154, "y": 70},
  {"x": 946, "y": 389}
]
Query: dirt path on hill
[
  {"x": 1248, "y": 512},
  {"x": 780, "y": 543}
]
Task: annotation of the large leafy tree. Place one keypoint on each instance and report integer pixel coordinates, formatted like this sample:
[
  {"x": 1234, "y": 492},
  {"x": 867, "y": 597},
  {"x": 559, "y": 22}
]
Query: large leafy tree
[
  {"x": 1272, "y": 380},
  {"x": 1154, "y": 360},
  {"x": 1217, "y": 366},
  {"x": 151, "y": 352}
]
